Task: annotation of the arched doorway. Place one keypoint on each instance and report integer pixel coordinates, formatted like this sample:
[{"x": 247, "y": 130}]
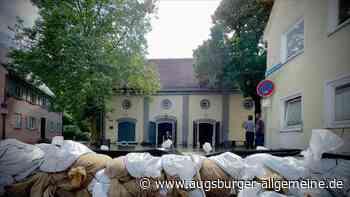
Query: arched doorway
[
  {"x": 206, "y": 130},
  {"x": 164, "y": 132},
  {"x": 126, "y": 130},
  {"x": 165, "y": 129}
]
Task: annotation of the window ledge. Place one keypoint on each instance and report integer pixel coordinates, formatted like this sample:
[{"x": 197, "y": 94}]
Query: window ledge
[
  {"x": 338, "y": 27},
  {"x": 292, "y": 57},
  {"x": 335, "y": 125},
  {"x": 291, "y": 129}
]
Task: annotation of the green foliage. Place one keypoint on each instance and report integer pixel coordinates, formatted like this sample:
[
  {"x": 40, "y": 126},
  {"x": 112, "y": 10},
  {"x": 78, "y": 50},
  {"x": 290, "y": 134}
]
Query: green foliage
[
  {"x": 72, "y": 132},
  {"x": 241, "y": 60},
  {"x": 83, "y": 49},
  {"x": 211, "y": 58}
]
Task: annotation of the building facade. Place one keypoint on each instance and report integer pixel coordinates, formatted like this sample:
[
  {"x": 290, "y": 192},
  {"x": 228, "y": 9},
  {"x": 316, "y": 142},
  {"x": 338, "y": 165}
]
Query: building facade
[
  {"x": 25, "y": 110},
  {"x": 182, "y": 110},
  {"x": 309, "y": 62}
]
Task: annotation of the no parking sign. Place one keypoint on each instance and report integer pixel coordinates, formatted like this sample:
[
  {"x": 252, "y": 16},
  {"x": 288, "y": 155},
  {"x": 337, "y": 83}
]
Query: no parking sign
[{"x": 265, "y": 88}]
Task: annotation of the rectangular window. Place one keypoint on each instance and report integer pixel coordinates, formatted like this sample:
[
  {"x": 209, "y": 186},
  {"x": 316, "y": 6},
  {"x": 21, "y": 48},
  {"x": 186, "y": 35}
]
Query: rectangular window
[
  {"x": 58, "y": 126},
  {"x": 18, "y": 92},
  {"x": 52, "y": 126},
  {"x": 344, "y": 11},
  {"x": 337, "y": 102},
  {"x": 342, "y": 103},
  {"x": 293, "y": 41},
  {"x": 32, "y": 97},
  {"x": 293, "y": 112},
  {"x": 18, "y": 121},
  {"x": 31, "y": 123}
]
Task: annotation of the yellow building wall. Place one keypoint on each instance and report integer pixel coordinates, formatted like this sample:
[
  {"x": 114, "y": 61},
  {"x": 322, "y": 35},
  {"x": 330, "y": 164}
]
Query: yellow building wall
[
  {"x": 238, "y": 114},
  {"x": 325, "y": 57},
  {"x": 116, "y": 112},
  {"x": 196, "y": 112},
  {"x": 155, "y": 109}
]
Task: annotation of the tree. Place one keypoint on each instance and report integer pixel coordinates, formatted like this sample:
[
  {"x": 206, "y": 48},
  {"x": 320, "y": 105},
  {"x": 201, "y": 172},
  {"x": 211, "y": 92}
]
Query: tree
[
  {"x": 244, "y": 21},
  {"x": 83, "y": 48},
  {"x": 211, "y": 57}
]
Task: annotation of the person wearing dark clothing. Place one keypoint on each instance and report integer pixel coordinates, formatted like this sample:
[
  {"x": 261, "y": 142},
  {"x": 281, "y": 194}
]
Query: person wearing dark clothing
[
  {"x": 259, "y": 131},
  {"x": 249, "y": 134}
]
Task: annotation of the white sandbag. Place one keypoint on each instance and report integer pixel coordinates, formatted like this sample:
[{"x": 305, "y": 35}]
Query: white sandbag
[
  {"x": 167, "y": 144},
  {"x": 207, "y": 148},
  {"x": 231, "y": 163},
  {"x": 99, "y": 186},
  {"x": 57, "y": 140},
  {"x": 179, "y": 165},
  {"x": 58, "y": 159},
  {"x": 337, "y": 169},
  {"x": 288, "y": 167},
  {"x": 143, "y": 165},
  {"x": 261, "y": 148},
  {"x": 321, "y": 141},
  {"x": 250, "y": 191},
  {"x": 198, "y": 160},
  {"x": 17, "y": 161},
  {"x": 254, "y": 165},
  {"x": 104, "y": 147}
]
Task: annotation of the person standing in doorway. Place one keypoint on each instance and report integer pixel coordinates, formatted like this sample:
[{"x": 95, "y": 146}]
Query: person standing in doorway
[
  {"x": 249, "y": 132},
  {"x": 259, "y": 130}
]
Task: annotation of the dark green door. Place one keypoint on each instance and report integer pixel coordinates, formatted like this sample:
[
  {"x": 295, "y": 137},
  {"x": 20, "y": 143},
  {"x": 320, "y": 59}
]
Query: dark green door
[
  {"x": 152, "y": 132},
  {"x": 126, "y": 132}
]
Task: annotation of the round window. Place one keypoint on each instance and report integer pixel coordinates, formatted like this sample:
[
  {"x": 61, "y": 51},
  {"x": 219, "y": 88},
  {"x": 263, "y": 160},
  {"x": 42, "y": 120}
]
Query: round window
[
  {"x": 166, "y": 104},
  {"x": 205, "y": 104},
  {"x": 126, "y": 104}
]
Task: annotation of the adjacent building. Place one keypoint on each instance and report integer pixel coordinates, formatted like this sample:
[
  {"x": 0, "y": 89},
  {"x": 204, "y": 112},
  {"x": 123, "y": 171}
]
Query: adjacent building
[
  {"x": 182, "y": 110},
  {"x": 308, "y": 45},
  {"x": 26, "y": 110}
]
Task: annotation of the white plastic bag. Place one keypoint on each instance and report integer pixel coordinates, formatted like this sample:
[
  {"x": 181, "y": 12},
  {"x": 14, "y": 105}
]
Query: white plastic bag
[
  {"x": 198, "y": 160},
  {"x": 143, "y": 165},
  {"x": 167, "y": 144},
  {"x": 289, "y": 167},
  {"x": 321, "y": 141},
  {"x": 99, "y": 186},
  {"x": 58, "y": 159},
  {"x": 104, "y": 147},
  {"x": 179, "y": 165},
  {"x": 250, "y": 191},
  {"x": 254, "y": 165},
  {"x": 231, "y": 163},
  {"x": 207, "y": 148}
]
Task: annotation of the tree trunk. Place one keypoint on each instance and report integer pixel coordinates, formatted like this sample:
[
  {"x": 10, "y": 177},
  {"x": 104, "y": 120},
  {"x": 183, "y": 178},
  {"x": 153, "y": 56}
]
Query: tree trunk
[{"x": 257, "y": 103}]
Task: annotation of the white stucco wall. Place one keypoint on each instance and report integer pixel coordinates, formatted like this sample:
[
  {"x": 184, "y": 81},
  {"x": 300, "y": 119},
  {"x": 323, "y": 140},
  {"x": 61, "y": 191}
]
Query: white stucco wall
[{"x": 325, "y": 57}]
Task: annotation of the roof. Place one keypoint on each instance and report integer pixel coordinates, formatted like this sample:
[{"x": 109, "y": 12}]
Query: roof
[{"x": 176, "y": 74}]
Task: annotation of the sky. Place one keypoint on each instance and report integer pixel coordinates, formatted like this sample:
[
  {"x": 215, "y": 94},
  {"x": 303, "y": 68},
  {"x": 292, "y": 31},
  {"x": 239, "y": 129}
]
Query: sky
[
  {"x": 9, "y": 9},
  {"x": 181, "y": 26}
]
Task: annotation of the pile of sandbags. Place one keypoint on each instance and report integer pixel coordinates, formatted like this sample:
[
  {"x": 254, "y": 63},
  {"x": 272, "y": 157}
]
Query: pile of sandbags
[
  {"x": 72, "y": 182},
  {"x": 63, "y": 168},
  {"x": 17, "y": 161},
  {"x": 70, "y": 169}
]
